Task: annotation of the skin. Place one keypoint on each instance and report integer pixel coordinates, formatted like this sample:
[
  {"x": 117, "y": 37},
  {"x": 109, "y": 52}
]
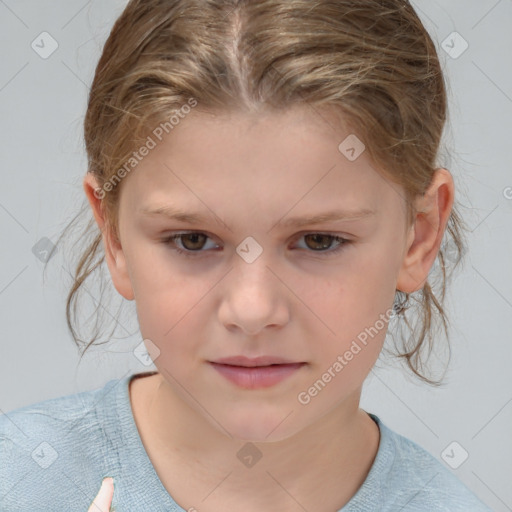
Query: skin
[
  {"x": 252, "y": 171},
  {"x": 103, "y": 500}
]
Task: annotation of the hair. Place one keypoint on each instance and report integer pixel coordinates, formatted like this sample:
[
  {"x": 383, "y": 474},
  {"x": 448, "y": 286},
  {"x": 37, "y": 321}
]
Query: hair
[{"x": 371, "y": 63}]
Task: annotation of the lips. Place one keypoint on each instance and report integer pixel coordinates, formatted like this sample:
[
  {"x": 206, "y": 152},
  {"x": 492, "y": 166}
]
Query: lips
[
  {"x": 252, "y": 362},
  {"x": 258, "y": 372}
]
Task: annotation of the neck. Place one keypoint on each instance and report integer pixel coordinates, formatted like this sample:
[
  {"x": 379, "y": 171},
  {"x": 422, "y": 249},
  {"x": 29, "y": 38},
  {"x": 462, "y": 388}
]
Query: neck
[{"x": 332, "y": 455}]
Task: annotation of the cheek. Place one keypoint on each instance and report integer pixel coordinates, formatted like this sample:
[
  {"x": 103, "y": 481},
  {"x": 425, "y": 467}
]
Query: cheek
[
  {"x": 374, "y": 275},
  {"x": 353, "y": 294},
  {"x": 170, "y": 309},
  {"x": 354, "y": 310},
  {"x": 176, "y": 338},
  {"x": 343, "y": 359}
]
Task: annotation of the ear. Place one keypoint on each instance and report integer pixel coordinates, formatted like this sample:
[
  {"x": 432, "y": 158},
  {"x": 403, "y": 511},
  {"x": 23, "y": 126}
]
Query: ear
[
  {"x": 114, "y": 254},
  {"x": 426, "y": 233}
]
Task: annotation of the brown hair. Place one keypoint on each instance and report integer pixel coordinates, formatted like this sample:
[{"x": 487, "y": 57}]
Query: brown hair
[{"x": 371, "y": 62}]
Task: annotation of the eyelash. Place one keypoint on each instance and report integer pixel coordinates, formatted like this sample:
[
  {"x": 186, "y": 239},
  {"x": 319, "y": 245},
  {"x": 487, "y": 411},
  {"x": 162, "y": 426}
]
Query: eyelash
[{"x": 343, "y": 242}]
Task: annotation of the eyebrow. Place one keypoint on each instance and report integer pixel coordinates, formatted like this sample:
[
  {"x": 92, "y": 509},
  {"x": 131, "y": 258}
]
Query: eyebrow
[{"x": 174, "y": 213}]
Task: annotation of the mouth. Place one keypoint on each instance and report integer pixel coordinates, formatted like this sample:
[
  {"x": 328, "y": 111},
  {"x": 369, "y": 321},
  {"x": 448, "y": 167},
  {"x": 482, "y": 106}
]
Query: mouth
[
  {"x": 250, "y": 362},
  {"x": 261, "y": 372}
]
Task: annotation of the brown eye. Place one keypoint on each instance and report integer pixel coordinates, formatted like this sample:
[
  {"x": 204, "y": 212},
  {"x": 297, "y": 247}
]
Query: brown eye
[
  {"x": 319, "y": 241},
  {"x": 192, "y": 241},
  {"x": 195, "y": 244},
  {"x": 321, "y": 244}
]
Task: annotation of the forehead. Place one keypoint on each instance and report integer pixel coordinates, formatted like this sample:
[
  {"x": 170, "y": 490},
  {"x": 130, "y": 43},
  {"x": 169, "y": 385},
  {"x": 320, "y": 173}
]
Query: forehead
[{"x": 278, "y": 161}]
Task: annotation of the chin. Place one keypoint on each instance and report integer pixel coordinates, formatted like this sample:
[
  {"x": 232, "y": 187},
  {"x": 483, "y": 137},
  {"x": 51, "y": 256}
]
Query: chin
[{"x": 258, "y": 427}]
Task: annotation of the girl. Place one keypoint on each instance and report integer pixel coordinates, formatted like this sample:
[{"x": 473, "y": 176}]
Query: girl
[{"x": 263, "y": 176}]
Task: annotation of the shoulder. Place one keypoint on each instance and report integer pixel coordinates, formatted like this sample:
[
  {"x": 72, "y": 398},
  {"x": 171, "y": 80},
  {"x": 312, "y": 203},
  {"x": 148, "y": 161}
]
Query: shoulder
[
  {"x": 420, "y": 481},
  {"x": 48, "y": 449}
]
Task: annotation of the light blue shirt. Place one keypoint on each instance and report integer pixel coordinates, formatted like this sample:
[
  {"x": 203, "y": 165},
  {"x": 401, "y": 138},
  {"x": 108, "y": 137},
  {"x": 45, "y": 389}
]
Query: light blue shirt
[{"x": 54, "y": 455}]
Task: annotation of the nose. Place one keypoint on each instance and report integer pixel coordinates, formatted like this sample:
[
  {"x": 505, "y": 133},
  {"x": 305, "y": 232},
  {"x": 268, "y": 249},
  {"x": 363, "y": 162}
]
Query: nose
[{"x": 253, "y": 298}]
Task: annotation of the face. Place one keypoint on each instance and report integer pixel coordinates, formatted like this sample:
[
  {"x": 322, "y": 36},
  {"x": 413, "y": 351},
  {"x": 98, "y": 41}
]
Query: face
[{"x": 252, "y": 281}]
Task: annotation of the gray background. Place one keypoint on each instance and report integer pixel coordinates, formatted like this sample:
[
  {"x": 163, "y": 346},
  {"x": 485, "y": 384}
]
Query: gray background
[{"x": 42, "y": 104}]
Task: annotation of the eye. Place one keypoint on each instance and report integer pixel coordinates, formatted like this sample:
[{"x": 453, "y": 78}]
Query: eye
[
  {"x": 193, "y": 241},
  {"x": 320, "y": 241}
]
